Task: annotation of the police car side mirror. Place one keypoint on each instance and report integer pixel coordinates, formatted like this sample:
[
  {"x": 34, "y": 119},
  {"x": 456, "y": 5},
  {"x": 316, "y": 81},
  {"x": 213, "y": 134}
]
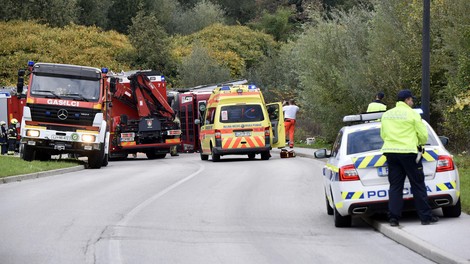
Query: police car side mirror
[
  {"x": 444, "y": 140},
  {"x": 321, "y": 154}
]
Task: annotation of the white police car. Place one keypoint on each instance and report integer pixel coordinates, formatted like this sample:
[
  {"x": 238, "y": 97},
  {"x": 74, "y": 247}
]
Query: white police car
[{"x": 355, "y": 175}]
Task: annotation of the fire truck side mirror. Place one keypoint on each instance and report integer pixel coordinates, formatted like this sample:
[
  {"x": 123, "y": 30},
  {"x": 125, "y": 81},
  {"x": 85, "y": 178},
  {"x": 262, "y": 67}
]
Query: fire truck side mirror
[
  {"x": 20, "y": 83},
  {"x": 197, "y": 121},
  {"x": 112, "y": 84}
]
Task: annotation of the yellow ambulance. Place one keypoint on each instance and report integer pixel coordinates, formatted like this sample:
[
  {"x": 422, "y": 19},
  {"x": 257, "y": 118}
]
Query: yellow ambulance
[{"x": 237, "y": 121}]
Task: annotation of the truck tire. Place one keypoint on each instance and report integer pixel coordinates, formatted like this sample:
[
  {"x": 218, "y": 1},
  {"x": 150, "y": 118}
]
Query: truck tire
[
  {"x": 42, "y": 155},
  {"x": 151, "y": 155},
  {"x": 95, "y": 158},
  {"x": 105, "y": 160},
  {"x": 26, "y": 152}
]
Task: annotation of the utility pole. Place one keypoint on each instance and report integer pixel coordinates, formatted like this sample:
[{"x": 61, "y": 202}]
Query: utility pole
[{"x": 425, "y": 94}]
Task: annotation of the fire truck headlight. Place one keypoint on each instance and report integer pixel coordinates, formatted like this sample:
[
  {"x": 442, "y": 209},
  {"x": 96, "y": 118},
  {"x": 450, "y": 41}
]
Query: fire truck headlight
[
  {"x": 88, "y": 138},
  {"x": 32, "y": 133}
]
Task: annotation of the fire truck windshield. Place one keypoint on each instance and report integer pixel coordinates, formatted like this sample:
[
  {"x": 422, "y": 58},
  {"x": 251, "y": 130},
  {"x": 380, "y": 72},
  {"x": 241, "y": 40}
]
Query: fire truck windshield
[{"x": 65, "y": 87}]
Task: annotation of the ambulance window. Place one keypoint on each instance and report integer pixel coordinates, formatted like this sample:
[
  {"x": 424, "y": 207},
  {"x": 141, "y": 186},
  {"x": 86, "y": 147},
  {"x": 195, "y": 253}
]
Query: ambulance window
[
  {"x": 210, "y": 116},
  {"x": 241, "y": 113}
]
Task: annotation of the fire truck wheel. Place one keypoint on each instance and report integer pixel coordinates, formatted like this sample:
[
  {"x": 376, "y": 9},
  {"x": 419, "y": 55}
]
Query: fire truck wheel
[
  {"x": 42, "y": 155},
  {"x": 105, "y": 160},
  {"x": 153, "y": 155},
  {"x": 26, "y": 152},
  {"x": 95, "y": 159}
]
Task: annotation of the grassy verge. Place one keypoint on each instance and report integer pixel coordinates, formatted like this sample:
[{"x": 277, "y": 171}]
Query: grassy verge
[
  {"x": 11, "y": 166},
  {"x": 463, "y": 164}
]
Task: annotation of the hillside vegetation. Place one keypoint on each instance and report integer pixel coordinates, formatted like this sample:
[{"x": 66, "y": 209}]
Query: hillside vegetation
[{"x": 22, "y": 41}]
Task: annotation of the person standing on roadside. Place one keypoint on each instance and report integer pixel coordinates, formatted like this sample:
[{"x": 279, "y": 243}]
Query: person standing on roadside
[
  {"x": 404, "y": 135},
  {"x": 290, "y": 113},
  {"x": 3, "y": 138},
  {"x": 377, "y": 105},
  {"x": 12, "y": 136}
]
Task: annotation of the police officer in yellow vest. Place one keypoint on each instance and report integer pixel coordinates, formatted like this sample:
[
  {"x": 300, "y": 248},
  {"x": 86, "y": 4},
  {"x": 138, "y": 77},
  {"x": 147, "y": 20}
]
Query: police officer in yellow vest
[
  {"x": 403, "y": 133},
  {"x": 377, "y": 105}
]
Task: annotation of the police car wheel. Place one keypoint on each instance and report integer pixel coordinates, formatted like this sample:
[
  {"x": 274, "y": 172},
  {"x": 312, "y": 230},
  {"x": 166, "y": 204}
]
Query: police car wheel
[
  {"x": 329, "y": 209},
  {"x": 341, "y": 221},
  {"x": 452, "y": 211}
]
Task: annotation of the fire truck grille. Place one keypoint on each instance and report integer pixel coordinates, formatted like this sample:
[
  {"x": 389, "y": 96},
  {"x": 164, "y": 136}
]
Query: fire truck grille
[{"x": 63, "y": 115}]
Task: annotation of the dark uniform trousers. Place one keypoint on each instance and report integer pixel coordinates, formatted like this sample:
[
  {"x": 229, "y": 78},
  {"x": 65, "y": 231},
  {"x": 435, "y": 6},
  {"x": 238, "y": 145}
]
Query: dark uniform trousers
[{"x": 399, "y": 166}]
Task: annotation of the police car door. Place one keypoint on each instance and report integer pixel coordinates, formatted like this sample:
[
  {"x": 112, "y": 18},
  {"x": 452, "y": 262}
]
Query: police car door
[{"x": 276, "y": 117}]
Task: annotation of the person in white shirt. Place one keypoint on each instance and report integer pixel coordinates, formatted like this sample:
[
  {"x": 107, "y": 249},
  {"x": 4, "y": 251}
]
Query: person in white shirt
[{"x": 290, "y": 113}]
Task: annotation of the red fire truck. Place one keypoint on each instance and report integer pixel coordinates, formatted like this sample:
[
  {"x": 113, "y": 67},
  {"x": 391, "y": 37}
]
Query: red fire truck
[
  {"x": 87, "y": 112},
  {"x": 141, "y": 118}
]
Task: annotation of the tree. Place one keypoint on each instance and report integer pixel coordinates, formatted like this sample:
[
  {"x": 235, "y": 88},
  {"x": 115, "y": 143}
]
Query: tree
[
  {"x": 93, "y": 12},
  {"x": 277, "y": 24},
  {"x": 240, "y": 11},
  {"x": 57, "y": 13},
  {"x": 237, "y": 47},
  {"x": 203, "y": 14},
  {"x": 151, "y": 42},
  {"x": 200, "y": 68}
]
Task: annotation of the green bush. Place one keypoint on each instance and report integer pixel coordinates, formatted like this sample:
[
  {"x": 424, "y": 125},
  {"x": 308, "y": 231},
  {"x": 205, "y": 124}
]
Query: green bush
[{"x": 88, "y": 46}]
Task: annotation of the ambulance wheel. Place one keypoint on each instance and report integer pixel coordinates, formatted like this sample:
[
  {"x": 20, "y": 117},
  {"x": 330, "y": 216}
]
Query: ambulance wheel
[
  {"x": 341, "y": 221},
  {"x": 251, "y": 156},
  {"x": 265, "y": 155},
  {"x": 215, "y": 157},
  {"x": 329, "y": 209},
  {"x": 452, "y": 211},
  {"x": 26, "y": 152},
  {"x": 204, "y": 157}
]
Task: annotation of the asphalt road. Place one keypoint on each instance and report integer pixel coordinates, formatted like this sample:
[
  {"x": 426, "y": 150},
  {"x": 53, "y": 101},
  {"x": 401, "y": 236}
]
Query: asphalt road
[{"x": 184, "y": 210}]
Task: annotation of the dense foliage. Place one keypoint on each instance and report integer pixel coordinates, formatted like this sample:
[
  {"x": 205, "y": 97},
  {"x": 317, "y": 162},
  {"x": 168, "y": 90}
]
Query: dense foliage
[
  {"x": 331, "y": 55},
  {"x": 90, "y": 46}
]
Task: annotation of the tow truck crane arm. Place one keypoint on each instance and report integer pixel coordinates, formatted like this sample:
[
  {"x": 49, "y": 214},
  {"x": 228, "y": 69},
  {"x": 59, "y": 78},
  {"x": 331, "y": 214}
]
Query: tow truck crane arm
[{"x": 146, "y": 93}]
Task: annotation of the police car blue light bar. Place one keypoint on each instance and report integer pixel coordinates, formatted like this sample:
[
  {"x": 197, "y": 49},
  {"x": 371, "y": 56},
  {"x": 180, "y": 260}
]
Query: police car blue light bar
[{"x": 370, "y": 116}]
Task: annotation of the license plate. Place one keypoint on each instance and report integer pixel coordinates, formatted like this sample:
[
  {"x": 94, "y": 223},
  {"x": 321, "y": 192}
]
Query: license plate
[
  {"x": 243, "y": 133},
  {"x": 57, "y": 137},
  {"x": 127, "y": 137},
  {"x": 382, "y": 171}
]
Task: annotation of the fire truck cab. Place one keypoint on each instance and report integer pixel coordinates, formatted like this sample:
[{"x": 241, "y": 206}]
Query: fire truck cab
[{"x": 237, "y": 121}]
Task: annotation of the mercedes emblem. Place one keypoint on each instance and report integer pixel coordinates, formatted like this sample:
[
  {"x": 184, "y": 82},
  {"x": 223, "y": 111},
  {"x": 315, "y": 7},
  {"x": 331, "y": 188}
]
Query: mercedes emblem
[{"x": 62, "y": 114}]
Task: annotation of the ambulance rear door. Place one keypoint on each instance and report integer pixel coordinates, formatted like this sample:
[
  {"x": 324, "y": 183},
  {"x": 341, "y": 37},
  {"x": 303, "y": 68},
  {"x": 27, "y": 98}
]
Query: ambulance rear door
[{"x": 276, "y": 116}]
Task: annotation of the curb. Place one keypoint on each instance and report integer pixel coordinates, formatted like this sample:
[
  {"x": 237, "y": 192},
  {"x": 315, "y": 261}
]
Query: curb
[
  {"x": 412, "y": 242},
  {"x": 40, "y": 174}
]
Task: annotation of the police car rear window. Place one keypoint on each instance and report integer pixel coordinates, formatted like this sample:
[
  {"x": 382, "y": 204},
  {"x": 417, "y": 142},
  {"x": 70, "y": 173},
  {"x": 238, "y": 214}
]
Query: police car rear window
[
  {"x": 370, "y": 140},
  {"x": 241, "y": 113}
]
